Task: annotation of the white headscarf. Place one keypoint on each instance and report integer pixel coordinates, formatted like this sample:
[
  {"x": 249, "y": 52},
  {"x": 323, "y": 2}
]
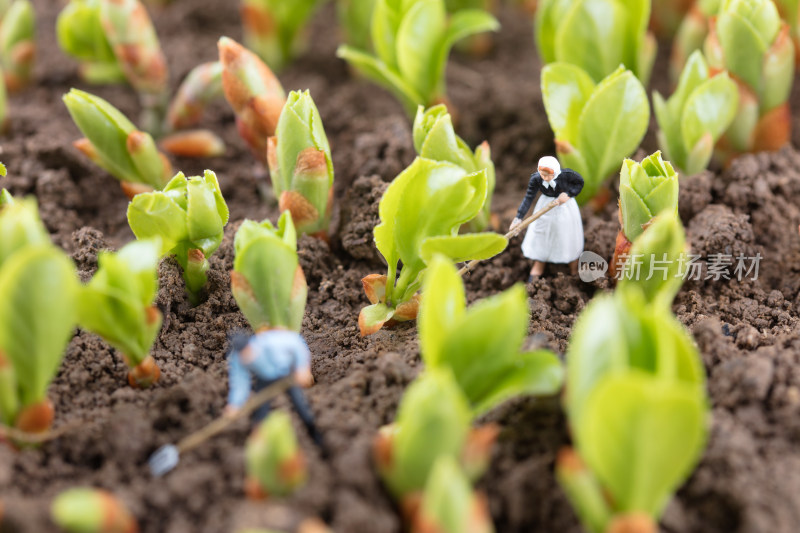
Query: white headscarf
[{"x": 551, "y": 163}]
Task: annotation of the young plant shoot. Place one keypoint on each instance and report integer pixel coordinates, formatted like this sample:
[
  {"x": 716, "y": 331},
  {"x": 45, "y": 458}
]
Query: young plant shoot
[
  {"x": 301, "y": 167},
  {"x": 412, "y": 41},
  {"x": 749, "y": 40},
  {"x": 646, "y": 189},
  {"x": 435, "y": 138},
  {"x": 433, "y": 420},
  {"x": 276, "y": 465},
  {"x": 37, "y": 316},
  {"x": 693, "y": 119},
  {"x": 481, "y": 345},
  {"x": 449, "y": 504},
  {"x": 114, "y": 144},
  {"x": 597, "y": 36},
  {"x": 18, "y": 44},
  {"x": 691, "y": 33},
  {"x": 355, "y": 17},
  {"x": 188, "y": 215},
  {"x": 254, "y": 93},
  {"x": 117, "y": 305},
  {"x": 596, "y": 126},
  {"x": 267, "y": 281},
  {"x": 276, "y": 29},
  {"x": 476, "y": 45},
  {"x": 637, "y": 409},
  {"x": 115, "y": 40},
  {"x": 420, "y": 214},
  {"x": 86, "y": 510}
]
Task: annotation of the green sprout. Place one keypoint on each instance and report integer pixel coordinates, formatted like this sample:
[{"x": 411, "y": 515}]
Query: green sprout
[
  {"x": 301, "y": 167},
  {"x": 656, "y": 260},
  {"x": 114, "y": 144},
  {"x": 449, "y": 504},
  {"x": 18, "y": 44},
  {"x": 790, "y": 12},
  {"x": 476, "y": 45},
  {"x": 114, "y": 40},
  {"x": 433, "y": 420},
  {"x": 188, "y": 215},
  {"x": 276, "y": 29},
  {"x": 88, "y": 510},
  {"x": 691, "y": 33},
  {"x": 412, "y": 41},
  {"x": 646, "y": 189},
  {"x": 481, "y": 345},
  {"x": 693, "y": 119},
  {"x": 267, "y": 280},
  {"x": 355, "y": 17},
  {"x": 37, "y": 316},
  {"x": 596, "y": 126},
  {"x": 420, "y": 214},
  {"x": 254, "y": 93},
  {"x": 117, "y": 305},
  {"x": 435, "y": 138},
  {"x": 637, "y": 408},
  {"x": 597, "y": 36},
  {"x": 276, "y": 465},
  {"x": 750, "y": 41},
  {"x": 201, "y": 86}
]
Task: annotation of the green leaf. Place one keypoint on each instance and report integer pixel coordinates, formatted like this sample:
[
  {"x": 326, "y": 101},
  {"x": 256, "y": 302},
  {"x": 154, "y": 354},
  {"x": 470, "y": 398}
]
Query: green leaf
[
  {"x": 565, "y": 89},
  {"x": 420, "y": 32},
  {"x": 37, "y": 316},
  {"x": 269, "y": 450},
  {"x": 744, "y": 48},
  {"x": 433, "y": 420},
  {"x": 20, "y": 227},
  {"x": 710, "y": 109},
  {"x": 448, "y": 503},
  {"x": 442, "y": 306},
  {"x": 611, "y": 125},
  {"x": 467, "y": 247},
  {"x": 156, "y": 215},
  {"x": 592, "y": 36},
  {"x": 642, "y": 437}
]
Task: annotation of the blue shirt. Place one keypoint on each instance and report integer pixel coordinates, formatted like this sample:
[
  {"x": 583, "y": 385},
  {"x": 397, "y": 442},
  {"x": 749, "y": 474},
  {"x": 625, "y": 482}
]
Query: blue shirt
[{"x": 277, "y": 354}]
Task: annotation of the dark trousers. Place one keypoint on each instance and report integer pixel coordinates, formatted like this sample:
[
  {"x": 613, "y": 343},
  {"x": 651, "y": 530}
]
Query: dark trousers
[{"x": 298, "y": 401}]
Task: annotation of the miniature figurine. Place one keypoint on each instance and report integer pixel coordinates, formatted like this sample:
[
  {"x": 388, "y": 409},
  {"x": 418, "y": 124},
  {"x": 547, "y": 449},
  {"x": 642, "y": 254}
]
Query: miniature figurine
[
  {"x": 268, "y": 357},
  {"x": 556, "y": 237}
]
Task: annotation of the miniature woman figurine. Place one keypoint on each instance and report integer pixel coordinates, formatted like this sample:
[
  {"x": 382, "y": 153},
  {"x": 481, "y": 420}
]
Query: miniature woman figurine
[{"x": 556, "y": 237}]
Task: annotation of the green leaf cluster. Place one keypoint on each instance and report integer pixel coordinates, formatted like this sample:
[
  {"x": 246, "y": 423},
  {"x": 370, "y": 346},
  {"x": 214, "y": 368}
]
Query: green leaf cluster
[
  {"x": 693, "y": 119},
  {"x": 117, "y": 303},
  {"x": 80, "y": 34},
  {"x": 597, "y": 35},
  {"x": 637, "y": 407},
  {"x": 657, "y": 260},
  {"x": 412, "y": 41},
  {"x": 275, "y": 29},
  {"x": 646, "y": 189},
  {"x": 300, "y": 163},
  {"x": 189, "y": 216},
  {"x": 449, "y": 504},
  {"x": 481, "y": 345},
  {"x": 420, "y": 214},
  {"x": 89, "y": 510},
  {"x": 435, "y": 138},
  {"x": 433, "y": 420},
  {"x": 37, "y": 310},
  {"x": 752, "y": 43},
  {"x": 596, "y": 126},
  {"x": 114, "y": 143},
  {"x": 18, "y": 43},
  {"x": 273, "y": 458},
  {"x": 267, "y": 281}
]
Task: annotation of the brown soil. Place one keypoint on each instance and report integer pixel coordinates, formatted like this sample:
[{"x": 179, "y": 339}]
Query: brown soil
[{"x": 748, "y": 481}]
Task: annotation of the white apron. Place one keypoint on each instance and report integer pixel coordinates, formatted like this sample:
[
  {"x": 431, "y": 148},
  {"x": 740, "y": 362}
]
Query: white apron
[{"x": 556, "y": 237}]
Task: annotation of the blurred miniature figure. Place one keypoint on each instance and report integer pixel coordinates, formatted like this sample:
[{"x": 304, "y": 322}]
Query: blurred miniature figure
[
  {"x": 255, "y": 362},
  {"x": 557, "y": 236}
]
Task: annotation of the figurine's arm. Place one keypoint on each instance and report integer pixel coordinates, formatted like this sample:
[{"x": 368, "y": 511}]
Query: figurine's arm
[
  {"x": 238, "y": 382},
  {"x": 530, "y": 194},
  {"x": 573, "y": 185},
  {"x": 302, "y": 369}
]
